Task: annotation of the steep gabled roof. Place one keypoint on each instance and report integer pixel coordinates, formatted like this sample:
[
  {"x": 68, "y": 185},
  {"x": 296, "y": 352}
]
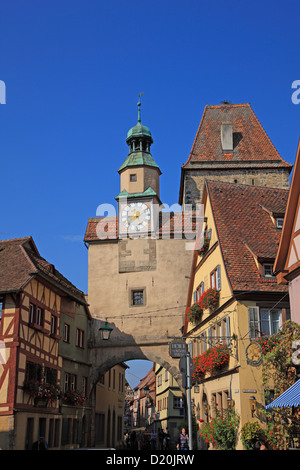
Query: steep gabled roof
[
  {"x": 251, "y": 143},
  {"x": 246, "y": 232},
  {"x": 20, "y": 261}
]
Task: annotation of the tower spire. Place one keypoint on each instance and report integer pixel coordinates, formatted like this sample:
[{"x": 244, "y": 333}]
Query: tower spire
[{"x": 139, "y": 107}]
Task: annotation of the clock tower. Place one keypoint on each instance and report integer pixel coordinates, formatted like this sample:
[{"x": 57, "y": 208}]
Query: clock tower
[{"x": 139, "y": 183}]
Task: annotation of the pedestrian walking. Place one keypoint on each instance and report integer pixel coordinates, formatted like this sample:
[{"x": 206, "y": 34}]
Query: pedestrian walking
[{"x": 183, "y": 440}]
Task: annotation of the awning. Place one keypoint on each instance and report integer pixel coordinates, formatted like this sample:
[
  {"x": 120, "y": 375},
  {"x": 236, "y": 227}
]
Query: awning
[{"x": 291, "y": 397}]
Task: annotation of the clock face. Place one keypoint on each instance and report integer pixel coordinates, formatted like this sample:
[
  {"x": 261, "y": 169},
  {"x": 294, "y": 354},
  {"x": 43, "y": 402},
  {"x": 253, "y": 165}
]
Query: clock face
[
  {"x": 136, "y": 217},
  {"x": 254, "y": 353}
]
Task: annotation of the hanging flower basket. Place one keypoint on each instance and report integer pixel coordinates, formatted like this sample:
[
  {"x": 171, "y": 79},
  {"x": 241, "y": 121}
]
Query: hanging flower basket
[
  {"x": 211, "y": 361},
  {"x": 210, "y": 299},
  {"x": 194, "y": 313},
  {"x": 75, "y": 398}
]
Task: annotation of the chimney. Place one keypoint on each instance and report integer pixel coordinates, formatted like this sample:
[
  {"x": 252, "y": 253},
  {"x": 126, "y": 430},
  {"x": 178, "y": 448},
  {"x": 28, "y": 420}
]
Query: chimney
[{"x": 226, "y": 137}]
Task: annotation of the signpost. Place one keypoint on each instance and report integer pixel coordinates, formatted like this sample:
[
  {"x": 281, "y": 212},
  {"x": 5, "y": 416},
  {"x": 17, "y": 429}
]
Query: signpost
[{"x": 179, "y": 349}]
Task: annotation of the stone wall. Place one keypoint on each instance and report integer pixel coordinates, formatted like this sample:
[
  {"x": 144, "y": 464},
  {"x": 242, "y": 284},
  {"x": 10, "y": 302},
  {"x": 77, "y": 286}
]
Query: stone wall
[{"x": 194, "y": 180}]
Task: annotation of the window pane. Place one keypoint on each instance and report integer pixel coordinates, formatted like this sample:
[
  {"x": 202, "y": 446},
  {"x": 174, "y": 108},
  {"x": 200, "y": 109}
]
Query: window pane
[
  {"x": 212, "y": 280},
  {"x": 137, "y": 297},
  {"x": 265, "y": 321},
  {"x": 276, "y": 320}
]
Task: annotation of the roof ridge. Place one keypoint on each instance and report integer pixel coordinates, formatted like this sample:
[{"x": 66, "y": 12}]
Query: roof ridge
[
  {"x": 16, "y": 240},
  {"x": 233, "y": 105}
]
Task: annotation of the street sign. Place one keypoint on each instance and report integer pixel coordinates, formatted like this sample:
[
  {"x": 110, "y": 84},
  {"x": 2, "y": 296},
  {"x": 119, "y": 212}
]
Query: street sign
[
  {"x": 183, "y": 366},
  {"x": 178, "y": 349}
]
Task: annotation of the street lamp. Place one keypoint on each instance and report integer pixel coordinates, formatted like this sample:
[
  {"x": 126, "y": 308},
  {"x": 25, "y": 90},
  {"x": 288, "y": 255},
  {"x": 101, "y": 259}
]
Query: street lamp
[
  {"x": 252, "y": 405},
  {"x": 146, "y": 390},
  {"x": 105, "y": 331}
]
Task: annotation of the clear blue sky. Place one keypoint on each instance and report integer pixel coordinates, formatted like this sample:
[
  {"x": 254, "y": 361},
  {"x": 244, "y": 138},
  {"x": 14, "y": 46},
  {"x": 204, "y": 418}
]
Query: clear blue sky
[{"x": 73, "y": 70}]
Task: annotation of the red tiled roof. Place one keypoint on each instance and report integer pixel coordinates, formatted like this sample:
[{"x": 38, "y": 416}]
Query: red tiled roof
[
  {"x": 173, "y": 223},
  {"x": 20, "y": 261},
  {"x": 245, "y": 230},
  {"x": 250, "y": 141}
]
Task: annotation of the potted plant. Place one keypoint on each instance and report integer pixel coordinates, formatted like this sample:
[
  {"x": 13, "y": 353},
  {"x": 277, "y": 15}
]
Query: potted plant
[{"x": 250, "y": 434}]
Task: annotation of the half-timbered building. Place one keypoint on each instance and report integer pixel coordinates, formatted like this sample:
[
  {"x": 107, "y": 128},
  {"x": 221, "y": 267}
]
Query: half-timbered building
[{"x": 33, "y": 294}]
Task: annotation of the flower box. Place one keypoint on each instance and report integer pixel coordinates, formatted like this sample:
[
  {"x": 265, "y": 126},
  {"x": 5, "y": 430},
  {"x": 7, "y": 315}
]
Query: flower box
[
  {"x": 210, "y": 299},
  {"x": 211, "y": 361},
  {"x": 194, "y": 313},
  {"x": 202, "y": 245},
  {"x": 74, "y": 398},
  {"x": 42, "y": 392}
]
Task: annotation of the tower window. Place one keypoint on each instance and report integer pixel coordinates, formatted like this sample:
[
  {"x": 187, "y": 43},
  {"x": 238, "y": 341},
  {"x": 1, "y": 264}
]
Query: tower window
[
  {"x": 132, "y": 177},
  {"x": 137, "y": 297}
]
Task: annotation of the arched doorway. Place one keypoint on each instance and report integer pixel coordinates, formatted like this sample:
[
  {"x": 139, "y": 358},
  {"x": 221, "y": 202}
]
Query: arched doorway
[{"x": 122, "y": 405}]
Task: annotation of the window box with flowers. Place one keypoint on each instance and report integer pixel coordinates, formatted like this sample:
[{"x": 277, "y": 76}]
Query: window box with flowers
[
  {"x": 74, "y": 397},
  {"x": 43, "y": 393},
  {"x": 210, "y": 299},
  {"x": 211, "y": 361},
  {"x": 194, "y": 313},
  {"x": 203, "y": 244}
]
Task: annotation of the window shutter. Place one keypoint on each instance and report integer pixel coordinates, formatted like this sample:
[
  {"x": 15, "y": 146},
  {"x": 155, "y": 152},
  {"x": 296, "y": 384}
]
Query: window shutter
[
  {"x": 201, "y": 287},
  {"x": 204, "y": 342},
  {"x": 227, "y": 320},
  {"x": 253, "y": 317},
  {"x": 218, "y": 277}
]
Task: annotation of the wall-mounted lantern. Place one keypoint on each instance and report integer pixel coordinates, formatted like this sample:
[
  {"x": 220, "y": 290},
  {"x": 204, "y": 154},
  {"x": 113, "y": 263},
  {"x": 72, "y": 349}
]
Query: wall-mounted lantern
[
  {"x": 105, "y": 331},
  {"x": 252, "y": 400}
]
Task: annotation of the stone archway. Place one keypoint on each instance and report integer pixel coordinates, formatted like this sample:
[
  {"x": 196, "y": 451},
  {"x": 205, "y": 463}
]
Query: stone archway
[{"x": 106, "y": 354}]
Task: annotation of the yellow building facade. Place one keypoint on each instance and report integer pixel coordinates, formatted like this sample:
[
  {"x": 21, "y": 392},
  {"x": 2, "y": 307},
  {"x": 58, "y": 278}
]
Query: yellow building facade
[
  {"x": 109, "y": 408},
  {"x": 238, "y": 302},
  {"x": 170, "y": 405}
]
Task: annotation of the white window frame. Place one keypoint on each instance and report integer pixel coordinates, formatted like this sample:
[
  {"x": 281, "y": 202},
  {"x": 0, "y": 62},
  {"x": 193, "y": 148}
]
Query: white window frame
[
  {"x": 279, "y": 222},
  {"x": 264, "y": 321},
  {"x": 266, "y": 267},
  {"x": 53, "y": 325},
  {"x": 178, "y": 402},
  {"x": 39, "y": 316},
  {"x": 67, "y": 330}
]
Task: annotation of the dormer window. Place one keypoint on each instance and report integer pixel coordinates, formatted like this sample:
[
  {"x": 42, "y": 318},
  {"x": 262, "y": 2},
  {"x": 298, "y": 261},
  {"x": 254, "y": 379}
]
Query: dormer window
[
  {"x": 279, "y": 223},
  {"x": 268, "y": 270}
]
